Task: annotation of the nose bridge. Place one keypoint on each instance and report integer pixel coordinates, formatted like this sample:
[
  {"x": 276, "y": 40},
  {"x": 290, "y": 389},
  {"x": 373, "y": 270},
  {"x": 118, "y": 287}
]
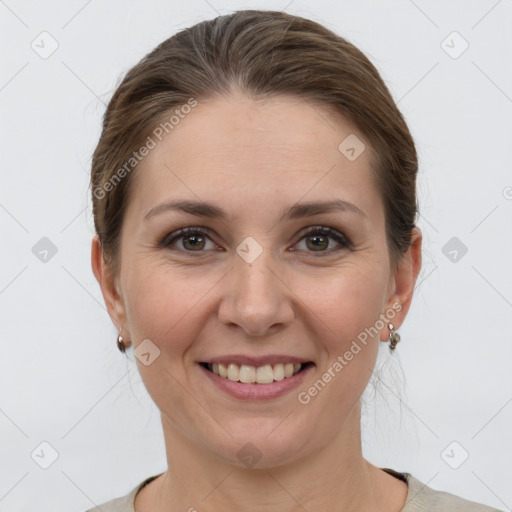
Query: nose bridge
[{"x": 256, "y": 299}]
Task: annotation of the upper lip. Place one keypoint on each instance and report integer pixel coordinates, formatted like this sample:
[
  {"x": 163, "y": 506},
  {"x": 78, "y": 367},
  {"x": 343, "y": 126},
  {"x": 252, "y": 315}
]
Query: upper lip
[{"x": 257, "y": 361}]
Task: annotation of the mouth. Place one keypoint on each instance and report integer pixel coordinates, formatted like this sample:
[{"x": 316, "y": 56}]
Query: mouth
[{"x": 252, "y": 374}]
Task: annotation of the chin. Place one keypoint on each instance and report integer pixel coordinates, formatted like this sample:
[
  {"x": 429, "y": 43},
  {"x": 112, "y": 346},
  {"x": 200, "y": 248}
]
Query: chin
[{"x": 262, "y": 448}]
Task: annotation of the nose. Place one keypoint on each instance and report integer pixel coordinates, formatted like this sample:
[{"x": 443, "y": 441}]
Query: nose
[{"x": 256, "y": 298}]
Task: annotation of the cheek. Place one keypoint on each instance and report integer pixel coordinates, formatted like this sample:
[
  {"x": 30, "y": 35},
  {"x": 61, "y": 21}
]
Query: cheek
[
  {"x": 346, "y": 307},
  {"x": 345, "y": 302},
  {"x": 164, "y": 307},
  {"x": 161, "y": 305},
  {"x": 346, "y": 310}
]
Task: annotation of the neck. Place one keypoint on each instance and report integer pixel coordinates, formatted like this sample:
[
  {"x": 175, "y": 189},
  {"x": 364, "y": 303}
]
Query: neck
[{"x": 336, "y": 477}]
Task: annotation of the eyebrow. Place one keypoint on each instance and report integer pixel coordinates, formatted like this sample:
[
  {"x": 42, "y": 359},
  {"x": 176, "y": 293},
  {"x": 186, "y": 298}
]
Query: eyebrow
[{"x": 299, "y": 210}]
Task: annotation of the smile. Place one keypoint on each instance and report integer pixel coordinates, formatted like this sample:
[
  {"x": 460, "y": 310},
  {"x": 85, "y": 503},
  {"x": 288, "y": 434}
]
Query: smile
[
  {"x": 251, "y": 377},
  {"x": 249, "y": 374}
]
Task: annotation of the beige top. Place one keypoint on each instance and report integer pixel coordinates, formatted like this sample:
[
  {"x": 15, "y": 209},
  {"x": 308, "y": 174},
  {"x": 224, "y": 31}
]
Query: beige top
[{"x": 420, "y": 498}]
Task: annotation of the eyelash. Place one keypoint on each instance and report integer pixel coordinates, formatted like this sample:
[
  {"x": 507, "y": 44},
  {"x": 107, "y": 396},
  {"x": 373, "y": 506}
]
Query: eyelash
[{"x": 169, "y": 239}]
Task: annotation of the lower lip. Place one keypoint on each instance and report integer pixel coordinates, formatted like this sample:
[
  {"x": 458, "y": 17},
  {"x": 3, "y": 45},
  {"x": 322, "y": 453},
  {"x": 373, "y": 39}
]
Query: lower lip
[{"x": 257, "y": 391}]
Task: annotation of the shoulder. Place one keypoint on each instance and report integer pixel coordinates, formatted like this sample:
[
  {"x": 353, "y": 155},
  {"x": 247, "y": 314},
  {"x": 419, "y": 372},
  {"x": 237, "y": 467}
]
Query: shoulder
[
  {"x": 422, "y": 498},
  {"x": 123, "y": 503}
]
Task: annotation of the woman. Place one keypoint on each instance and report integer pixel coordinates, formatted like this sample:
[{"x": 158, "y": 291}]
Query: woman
[{"x": 254, "y": 202}]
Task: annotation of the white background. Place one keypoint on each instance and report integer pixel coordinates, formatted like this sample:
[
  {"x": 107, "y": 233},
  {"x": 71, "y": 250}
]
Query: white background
[{"x": 62, "y": 379}]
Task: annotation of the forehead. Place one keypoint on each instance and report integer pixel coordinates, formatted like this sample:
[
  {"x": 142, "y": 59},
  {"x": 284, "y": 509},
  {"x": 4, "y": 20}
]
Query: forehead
[{"x": 281, "y": 149}]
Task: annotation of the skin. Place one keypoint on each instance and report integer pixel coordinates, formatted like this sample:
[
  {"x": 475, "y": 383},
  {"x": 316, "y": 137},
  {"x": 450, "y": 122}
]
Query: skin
[{"x": 254, "y": 159}]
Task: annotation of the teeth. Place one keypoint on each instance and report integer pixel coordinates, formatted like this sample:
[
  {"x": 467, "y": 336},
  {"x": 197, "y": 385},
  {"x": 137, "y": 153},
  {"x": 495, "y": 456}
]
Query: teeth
[
  {"x": 288, "y": 370},
  {"x": 247, "y": 374},
  {"x": 223, "y": 370},
  {"x": 250, "y": 374},
  {"x": 265, "y": 374},
  {"x": 233, "y": 372},
  {"x": 278, "y": 371}
]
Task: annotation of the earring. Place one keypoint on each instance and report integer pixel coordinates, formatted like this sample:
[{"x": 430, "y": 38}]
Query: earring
[
  {"x": 394, "y": 337},
  {"x": 120, "y": 344}
]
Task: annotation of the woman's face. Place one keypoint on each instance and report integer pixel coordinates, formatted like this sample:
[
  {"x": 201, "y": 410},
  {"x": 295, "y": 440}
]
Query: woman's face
[{"x": 249, "y": 287}]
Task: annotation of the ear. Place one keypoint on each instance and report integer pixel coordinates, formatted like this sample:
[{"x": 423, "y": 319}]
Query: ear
[
  {"x": 402, "y": 283},
  {"x": 109, "y": 287}
]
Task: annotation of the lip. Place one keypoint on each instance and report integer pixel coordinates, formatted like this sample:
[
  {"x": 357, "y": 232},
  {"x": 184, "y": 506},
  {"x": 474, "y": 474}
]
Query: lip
[
  {"x": 257, "y": 361},
  {"x": 257, "y": 391}
]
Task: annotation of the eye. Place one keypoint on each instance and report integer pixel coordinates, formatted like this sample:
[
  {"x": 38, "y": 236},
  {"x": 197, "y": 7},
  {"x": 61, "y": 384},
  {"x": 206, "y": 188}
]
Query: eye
[
  {"x": 317, "y": 239},
  {"x": 191, "y": 239}
]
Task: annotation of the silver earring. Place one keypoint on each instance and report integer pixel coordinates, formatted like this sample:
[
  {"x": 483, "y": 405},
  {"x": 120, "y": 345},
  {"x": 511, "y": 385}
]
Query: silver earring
[{"x": 394, "y": 337}]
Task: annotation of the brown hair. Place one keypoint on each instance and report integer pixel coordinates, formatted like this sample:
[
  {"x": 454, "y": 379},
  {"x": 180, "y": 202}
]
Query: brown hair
[{"x": 264, "y": 53}]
